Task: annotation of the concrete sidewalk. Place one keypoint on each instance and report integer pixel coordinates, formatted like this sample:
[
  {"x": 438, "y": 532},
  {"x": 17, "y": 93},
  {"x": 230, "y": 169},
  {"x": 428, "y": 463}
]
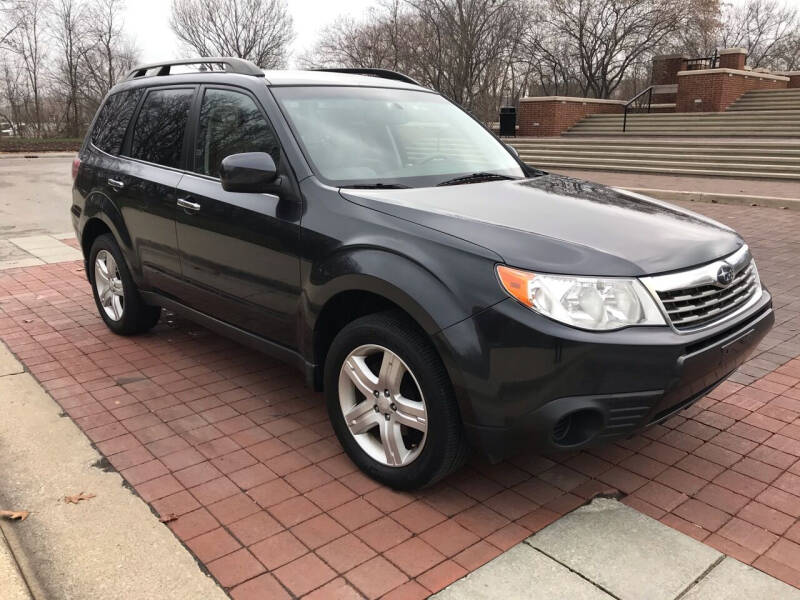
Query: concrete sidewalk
[
  {"x": 111, "y": 546},
  {"x": 710, "y": 185},
  {"x": 607, "y": 550}
]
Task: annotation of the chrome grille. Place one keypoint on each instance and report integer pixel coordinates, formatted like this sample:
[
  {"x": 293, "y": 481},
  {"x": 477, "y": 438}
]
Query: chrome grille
[
  {"x": 694, "y": 299},
  {"x": 689, "y": 308}
]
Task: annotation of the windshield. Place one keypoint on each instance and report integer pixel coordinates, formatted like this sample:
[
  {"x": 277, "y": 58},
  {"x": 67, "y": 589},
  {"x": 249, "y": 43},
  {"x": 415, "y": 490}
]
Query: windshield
[{"x": 356, "y": 136}]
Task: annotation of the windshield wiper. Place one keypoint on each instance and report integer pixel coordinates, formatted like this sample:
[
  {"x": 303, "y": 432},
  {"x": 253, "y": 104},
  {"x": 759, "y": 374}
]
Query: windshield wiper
[
  {"x": 475, "y": 178},
  {"x": 378, "y": 186}
]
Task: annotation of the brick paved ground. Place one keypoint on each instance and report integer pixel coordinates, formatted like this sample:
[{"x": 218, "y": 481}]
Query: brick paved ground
[{"x": 232, "y": 444}]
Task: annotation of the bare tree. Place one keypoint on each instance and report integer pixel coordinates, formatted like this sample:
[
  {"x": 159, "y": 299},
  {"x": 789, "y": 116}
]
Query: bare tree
[
  {"x": 378, "y": 40},
  {"x": 107, "y": 53},
  {"x": 606, "y": 38},
  {"x": 10, "y": 17},
  {"x": 27, "y": 41},
  {"x": 258, "y": 30},
  {"x": 469, "y": 50},
  {"x": 69, "y": 36},
  {"x": 763, "y": 27},
  {"x": 699, "y": 36}
]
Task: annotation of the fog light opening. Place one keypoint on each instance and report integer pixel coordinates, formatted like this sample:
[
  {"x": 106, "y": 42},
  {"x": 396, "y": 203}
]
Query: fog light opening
[{"x": 577, "y": 427}]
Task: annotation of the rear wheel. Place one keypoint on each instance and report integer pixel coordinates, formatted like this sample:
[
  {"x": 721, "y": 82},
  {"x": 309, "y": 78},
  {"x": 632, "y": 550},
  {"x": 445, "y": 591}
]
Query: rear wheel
[
  {"x": 115, "y": 293},
  {"x": 391, "y": 403}
]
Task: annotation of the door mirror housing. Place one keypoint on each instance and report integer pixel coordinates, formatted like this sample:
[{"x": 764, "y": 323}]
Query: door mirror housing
[
  {"x": 512, "y": 150},
  {"x": 248, "y": 172}
]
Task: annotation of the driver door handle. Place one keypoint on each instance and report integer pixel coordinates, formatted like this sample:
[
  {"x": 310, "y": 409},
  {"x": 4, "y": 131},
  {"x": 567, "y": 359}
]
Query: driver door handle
[
  {"x": 116, "y": 183},
  {"x": 188, "y": 205}
]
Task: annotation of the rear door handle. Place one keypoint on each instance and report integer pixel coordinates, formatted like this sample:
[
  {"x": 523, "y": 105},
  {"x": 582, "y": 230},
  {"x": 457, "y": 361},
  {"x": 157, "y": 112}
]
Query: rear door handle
[
  {"x": 186, "y": 204},
  {"x": 116, "y": 183}
]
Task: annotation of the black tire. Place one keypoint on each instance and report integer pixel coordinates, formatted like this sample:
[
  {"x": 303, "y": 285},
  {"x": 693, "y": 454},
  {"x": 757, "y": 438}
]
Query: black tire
[
  {"x": 444, "y": 448},
  {"x": 136, "y": 317}
]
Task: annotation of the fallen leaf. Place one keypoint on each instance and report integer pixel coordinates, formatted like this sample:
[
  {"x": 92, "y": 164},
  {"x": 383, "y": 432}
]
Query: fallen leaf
[
  {"x": 19, "y": 515},
  {"x": 27, "y": 320},
  {"x": 169, "y": 518},
  {"x": 78, "y": 497}
]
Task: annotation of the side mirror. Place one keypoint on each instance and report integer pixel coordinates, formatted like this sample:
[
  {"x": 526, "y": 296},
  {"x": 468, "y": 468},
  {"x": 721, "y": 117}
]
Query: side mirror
[
  {"x": 249, "y": 172},
  {"x": 512, "y": 150}
]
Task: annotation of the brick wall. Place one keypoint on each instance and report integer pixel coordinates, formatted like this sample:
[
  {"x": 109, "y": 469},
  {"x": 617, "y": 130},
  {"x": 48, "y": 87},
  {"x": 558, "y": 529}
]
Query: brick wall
[
  {"x": 550, "y": 116},
  {"x": 666, "y": 68},
  {"x": 732, "y": 58},
  {"x": 719, "y": 88},
  {"x": 794, "y": 79}
]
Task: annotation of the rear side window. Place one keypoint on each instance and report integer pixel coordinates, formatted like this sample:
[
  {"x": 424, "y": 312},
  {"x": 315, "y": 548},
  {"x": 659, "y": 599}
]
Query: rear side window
[
  {"x": 109, "y": 128},
  {"x": 230, "y": 123},
  {"x": 158, "y": 132}
]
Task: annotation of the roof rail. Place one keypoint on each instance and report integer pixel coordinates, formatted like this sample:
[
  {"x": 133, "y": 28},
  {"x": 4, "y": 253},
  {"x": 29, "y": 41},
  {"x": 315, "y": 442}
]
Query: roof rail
[
  {"x": 231, "y": 64},
  {"x": 382, "y": 73}
]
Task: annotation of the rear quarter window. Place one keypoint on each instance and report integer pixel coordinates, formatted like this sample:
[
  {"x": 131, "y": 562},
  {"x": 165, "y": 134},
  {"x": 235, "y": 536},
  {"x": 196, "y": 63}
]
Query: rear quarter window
[
  {"x": 112, "y": 121},
  {"x": 160, "y": 126}
]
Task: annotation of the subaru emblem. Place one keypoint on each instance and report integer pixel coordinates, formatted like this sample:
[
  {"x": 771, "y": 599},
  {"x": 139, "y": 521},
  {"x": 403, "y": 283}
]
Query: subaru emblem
[{"x": 725, "y": 274}]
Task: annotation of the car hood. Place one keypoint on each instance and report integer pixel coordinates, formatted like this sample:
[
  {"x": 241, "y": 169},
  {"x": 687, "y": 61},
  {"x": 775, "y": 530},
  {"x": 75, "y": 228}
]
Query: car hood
[{"x": 558, "y": 224}]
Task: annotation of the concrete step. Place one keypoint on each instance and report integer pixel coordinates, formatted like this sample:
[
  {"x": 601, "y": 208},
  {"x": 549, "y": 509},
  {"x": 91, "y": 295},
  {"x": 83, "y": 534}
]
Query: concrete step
[
  {"x": 730, "y": 120},
  {"x": 683, "y": 124},
  {"x": 768, "y": 99},
  {"x": 764, "y": 115},
  {"x": 767, "y": 103},
  {"x": 790, "y": 92},
  {"x": 680, "y": 150},
  {"x": 793, "y": 161},
  {"x": 695, "y": 131},
  {"x": 776, "y": 109},
  {"x": 709, "y": 164},
  {"x": 667, "y": 170},
  {"x": 737, "y": 144},
  {"x": 687, "y": 133}
]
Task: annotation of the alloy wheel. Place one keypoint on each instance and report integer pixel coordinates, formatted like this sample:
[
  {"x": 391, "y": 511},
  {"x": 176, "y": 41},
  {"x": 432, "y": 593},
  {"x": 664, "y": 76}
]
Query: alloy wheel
[
  {"x": 383, "y": 405},
  {"x": 108, "y": 284}
]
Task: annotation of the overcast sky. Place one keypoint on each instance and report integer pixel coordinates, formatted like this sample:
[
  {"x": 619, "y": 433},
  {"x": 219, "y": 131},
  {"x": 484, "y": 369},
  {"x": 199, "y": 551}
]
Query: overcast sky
[{"x": 147, "y": 21}]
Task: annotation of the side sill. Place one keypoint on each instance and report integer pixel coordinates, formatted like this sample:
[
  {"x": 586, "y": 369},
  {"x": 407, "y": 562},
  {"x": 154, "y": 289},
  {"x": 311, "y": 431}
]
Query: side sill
[{"x": 277, "y": 351}]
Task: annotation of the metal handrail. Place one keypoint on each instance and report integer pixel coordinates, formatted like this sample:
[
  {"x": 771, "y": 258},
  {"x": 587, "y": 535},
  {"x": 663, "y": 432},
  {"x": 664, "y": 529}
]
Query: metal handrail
[
  {"x": 706, "y": 62},
  {"x": 231, "y": 63},
  {"x": 649, "y": 92}
]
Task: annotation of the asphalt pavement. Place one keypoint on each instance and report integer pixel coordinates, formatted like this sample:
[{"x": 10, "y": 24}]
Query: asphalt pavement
[{"x": 35, "y": 195}]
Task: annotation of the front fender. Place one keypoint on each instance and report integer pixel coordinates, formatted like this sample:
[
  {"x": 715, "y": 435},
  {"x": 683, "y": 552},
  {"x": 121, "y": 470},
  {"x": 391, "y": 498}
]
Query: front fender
[
  {"x": 434, "y": 302},
  {"x": 397, "y": 278}
]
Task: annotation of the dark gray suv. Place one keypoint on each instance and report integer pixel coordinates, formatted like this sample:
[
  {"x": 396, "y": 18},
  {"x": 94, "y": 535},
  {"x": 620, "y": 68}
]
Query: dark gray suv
[{"x": 443, "y": 294}]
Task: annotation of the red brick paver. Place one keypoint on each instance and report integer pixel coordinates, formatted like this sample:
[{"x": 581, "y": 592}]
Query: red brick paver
[{"x": 233, "y": 445}]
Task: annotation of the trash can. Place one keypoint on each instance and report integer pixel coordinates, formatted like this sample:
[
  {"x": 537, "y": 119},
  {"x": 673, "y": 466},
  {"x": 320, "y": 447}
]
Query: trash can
[{"x": 508, "y": 121}]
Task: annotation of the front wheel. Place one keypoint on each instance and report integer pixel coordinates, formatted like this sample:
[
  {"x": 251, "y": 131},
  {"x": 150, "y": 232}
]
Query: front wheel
[{"x": 391, "y": 403}]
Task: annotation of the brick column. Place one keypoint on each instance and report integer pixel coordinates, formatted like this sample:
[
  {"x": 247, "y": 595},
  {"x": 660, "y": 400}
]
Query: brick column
[
  {"x": 666, "y": 68},
  {"x": 553, "y": 115},
  {"x": 732, "y": 58},
  {"x": 794, "y": 78}
]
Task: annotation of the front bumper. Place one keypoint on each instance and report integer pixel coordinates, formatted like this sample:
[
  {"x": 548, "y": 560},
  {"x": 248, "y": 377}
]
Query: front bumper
[{"x": 525, "y": 381}]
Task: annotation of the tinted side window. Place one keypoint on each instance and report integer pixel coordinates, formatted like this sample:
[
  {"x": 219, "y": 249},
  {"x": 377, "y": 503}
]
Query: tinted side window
[
  {"x": 230, "y": 123},
  {"x": 158, "y": 132},
  {"x": 109, "y": 129}
]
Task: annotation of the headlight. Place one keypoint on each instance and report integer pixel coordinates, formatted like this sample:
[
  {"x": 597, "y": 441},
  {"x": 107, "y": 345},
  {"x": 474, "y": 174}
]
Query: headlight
[{"x": 584, "y": 302}]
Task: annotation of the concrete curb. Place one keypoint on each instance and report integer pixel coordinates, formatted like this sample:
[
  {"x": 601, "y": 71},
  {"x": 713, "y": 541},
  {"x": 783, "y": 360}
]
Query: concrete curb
[
  {"x": 711, "y": 198},
  {"x": 13, "y": 583},
  {"x": 112, "y": 546}
]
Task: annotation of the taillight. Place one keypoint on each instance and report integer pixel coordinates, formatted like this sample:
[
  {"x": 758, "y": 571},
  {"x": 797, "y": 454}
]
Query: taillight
[{"x": 76, "y": 165}]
